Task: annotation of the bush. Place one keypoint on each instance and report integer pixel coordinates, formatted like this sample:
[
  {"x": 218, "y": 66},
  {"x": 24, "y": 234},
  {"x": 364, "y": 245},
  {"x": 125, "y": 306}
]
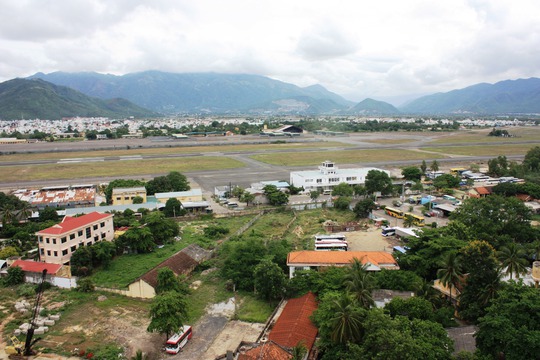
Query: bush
[
  {"x": 26, "y": 290},
  {"x": 85, "y": 285}
]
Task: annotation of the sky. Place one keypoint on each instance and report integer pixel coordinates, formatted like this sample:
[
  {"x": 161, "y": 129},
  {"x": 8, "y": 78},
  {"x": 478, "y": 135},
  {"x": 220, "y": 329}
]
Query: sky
[{"x": 389, "y": 50}]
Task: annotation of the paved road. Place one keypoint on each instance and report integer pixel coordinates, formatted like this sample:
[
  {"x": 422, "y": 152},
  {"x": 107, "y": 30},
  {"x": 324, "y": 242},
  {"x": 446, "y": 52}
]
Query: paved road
[{"x": 204, "y": 333}]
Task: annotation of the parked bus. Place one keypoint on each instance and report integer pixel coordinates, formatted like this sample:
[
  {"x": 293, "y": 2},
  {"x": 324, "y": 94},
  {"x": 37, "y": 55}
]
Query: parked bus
[
  {"x": 339, "y": 237},
  {"x": 457, "y": 171},
  {"x": 417, "y": 219},
  {"x": 178, "y": 340},
  {"x": 331, "y": 246},
  {"x": 394, "y": 212},
  {"x": 389, "y": 231}
]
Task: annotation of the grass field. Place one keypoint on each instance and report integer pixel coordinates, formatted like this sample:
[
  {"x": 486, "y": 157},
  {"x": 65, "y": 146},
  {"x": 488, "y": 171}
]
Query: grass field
[
  {"x": 168, "y": 151},
  {"x": 342, "y": 156},
  {"x": 115, "y": 168},
  {"x": 125, "y": 269},
  {"x": 479, "y": 136},
  {"x": 484, "y": 150}
]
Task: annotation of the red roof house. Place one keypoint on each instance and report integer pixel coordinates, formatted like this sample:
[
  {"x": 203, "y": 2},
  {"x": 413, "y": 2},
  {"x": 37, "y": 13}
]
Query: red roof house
[
  {"x": 293, "y": 325},
  {"x": 37, "y": 267}
]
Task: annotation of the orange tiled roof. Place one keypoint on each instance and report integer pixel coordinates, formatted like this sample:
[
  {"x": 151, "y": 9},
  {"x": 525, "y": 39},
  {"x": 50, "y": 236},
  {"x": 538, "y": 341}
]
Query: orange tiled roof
[
  {"x": 265, "y": 351},
  {"x": 339, "y": 257},
  {"x": 69, "y": 223},
  {"x": 482, "y": 190},
  {"x": 293, "y": 325},
  {"x": 36, "y": 267}
]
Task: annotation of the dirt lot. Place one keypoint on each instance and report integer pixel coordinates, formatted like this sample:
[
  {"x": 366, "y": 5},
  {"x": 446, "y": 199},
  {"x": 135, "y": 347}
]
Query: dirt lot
[{"x": 370, "y": 240}]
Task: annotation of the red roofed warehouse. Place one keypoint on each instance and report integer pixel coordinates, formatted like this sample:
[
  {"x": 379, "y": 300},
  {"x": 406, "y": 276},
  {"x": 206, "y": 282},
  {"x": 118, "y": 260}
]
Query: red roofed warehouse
[
  {"x": 305, "y": 260},
  {"x": 293, "y": 327},
  {"x": 57, "y": 243}
]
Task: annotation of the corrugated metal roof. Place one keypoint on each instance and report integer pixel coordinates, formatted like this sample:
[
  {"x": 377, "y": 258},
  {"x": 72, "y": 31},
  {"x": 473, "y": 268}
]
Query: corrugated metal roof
[{"x": 293, "y": 325}]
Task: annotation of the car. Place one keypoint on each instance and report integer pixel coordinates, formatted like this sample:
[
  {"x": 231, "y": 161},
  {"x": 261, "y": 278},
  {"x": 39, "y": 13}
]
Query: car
[
  {"x": 397, "y": 203},
  {"x": 427, "y": 214}
]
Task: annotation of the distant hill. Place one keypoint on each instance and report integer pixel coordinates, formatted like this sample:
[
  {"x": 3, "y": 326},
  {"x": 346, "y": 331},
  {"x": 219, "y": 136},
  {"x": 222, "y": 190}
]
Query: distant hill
[
  {"x": 373, "y": 107},
  {"x": 203, "y": 92},
  {"x": 38, "y": 99},
  {"x": 505, "y": 97}
]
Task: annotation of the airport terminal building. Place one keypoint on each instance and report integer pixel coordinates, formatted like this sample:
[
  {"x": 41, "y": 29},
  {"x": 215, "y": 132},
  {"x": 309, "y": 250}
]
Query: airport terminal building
[{"x": 329, "y": 176}]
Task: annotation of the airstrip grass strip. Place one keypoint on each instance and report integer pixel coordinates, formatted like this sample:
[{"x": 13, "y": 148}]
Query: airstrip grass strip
[
  {"x": 80, "y": 170},
  {"x": 167, "y": 151},
  {"x": 343, "y": 157},
  {"x": 483, "y": 150}
]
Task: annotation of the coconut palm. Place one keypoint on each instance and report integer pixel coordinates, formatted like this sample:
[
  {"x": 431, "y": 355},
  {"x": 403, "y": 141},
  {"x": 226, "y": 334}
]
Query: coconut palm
[
  {"x": 408, "y": 221},
  {"x": 347, "y": 322},
  {"x": 513, "y": 259},
  {"x": 450, "y": 274},
  {"x": 7, "y": 214},
  {"x": 24, "y": 211},
  {"x": 359, "y": 282}
]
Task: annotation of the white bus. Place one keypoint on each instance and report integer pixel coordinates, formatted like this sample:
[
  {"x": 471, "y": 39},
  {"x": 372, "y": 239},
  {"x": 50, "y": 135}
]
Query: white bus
[
  {"x": 178, "y": 340},
  {"x": 326, "y": 245},
  {"x": 333, "y": 237}
]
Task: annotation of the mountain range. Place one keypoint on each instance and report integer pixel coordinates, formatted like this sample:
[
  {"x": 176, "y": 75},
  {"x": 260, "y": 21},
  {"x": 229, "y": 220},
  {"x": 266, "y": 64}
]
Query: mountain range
[
  {"x": 31, "y": 99},
  {"x": 151, "y": 92}
]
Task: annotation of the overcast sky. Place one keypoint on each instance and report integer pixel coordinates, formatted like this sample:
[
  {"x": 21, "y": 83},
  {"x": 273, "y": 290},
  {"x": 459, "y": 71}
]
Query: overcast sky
[{"x": 356, "y": 48}]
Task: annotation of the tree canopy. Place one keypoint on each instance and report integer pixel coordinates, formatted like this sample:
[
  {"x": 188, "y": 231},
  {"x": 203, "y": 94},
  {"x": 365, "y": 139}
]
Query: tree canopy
[{"x": 377, "y": 180}]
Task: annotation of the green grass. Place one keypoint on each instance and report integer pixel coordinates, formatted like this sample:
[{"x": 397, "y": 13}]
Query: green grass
[
  {"x": 483, "y": 150},
  {"x": 169, "y": 151},
  {"x": 481, "y": 136},
  {"x": 252, "y": 309},
  {"x": 342, "y": 157},
  {"x": 127, "y": 268},
  {"x": 115, "y": 168}
]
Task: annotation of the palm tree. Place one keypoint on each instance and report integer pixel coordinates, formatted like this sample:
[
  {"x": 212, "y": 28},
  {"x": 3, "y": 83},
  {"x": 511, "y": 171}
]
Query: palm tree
[
  {"x": 24, "y": 212},
  {"x": 408, "y": 221},
  {"x": 347, "y": 322},
  {"x": 299, "y": 351},
  {"x": 359, "y": 282},
  {"x": 139, "y": 355},
  {"x": 450, "y": 274},
  {"x": 513, "y": 259},
  {"x": 6, "y": 213}
]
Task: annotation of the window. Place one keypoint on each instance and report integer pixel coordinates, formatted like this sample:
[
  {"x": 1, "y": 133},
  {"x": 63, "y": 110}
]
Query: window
[
  {"x": 47, "y": 240},
  {"x": 63, "y": 240},
  {"x": 56, "y": 253},
  {"x": 79, "y": 233},
  {"x": 333, "y": 179},
  {"x": 96, "y": 238},
  {"x": 54, "y": 241},
  {"x": 309, "y": 180},
  {"x": 102, "y": 224},
  {"x": 95, "y": 227},
  {"x": 351, "y": 178},
  {"x": 319, "y": 181},
  {"x": 40, "y": 238},
  {"x": 48, "y": 252},
  {"x": 88, "y": 232},
  {"x": 118, "y": 198},
  {"x": 73, "y": 248},
  {"x": 64, "y": 252},
  {"x": 103, "y": 235},
  {"x": 126, "y": 197},
  {"x": 42, "y": 251}
]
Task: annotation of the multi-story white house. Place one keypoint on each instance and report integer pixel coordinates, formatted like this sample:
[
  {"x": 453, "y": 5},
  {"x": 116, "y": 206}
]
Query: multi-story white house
[
  {"x": 57, "y": 243},
  {"x": 329, "y": 176}
]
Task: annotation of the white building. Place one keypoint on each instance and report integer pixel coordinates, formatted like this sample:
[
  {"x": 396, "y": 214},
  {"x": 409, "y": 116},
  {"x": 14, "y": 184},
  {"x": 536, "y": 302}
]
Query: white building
[{"x": 329, "y": 176}]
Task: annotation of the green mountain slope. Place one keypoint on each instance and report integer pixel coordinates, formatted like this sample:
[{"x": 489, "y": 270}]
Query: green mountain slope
[
  {"x": 38, "y": 99},
  {"x": 373, "y": 107},
  {"x": 193, "y": 92},
  {"x": 505, "y": 97}
]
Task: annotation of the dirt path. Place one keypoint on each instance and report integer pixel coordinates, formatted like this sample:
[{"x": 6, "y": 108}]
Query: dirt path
[{"x": 207, "y": 329}]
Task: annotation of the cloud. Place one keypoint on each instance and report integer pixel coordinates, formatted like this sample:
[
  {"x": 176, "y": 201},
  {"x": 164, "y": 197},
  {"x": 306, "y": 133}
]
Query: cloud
[{"x": 356, "y": 48}]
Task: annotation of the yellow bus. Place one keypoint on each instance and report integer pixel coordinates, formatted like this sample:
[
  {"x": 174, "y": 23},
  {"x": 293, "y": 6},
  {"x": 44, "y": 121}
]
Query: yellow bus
[
  {"x": 417, "y": 219},
  {"x": 394, "y": 212},
  {"x": 457, "y": 171}
]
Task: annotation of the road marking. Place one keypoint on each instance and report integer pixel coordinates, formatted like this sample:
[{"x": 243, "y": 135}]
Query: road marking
[{"x": 78, "y": 160}]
